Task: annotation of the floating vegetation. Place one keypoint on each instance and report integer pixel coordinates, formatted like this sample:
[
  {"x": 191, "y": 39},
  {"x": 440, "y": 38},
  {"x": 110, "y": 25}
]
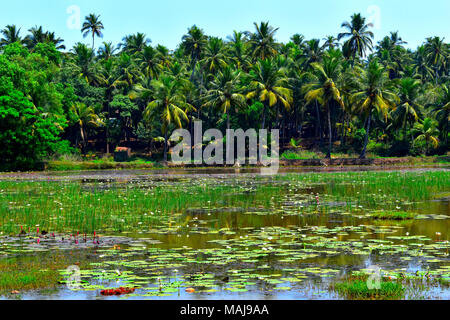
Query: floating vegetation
[
  {"x": 356, "y": 288},
  {"x": 393, "y": 215},
  {"x": 290, "y": 236}
]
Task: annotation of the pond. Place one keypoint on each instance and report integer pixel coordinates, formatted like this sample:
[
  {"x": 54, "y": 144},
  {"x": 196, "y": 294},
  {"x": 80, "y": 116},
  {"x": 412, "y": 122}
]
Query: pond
[{"x": 224, "y": 234}]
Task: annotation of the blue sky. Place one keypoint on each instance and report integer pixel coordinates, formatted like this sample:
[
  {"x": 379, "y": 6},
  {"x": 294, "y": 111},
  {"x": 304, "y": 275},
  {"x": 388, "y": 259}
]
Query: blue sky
[{"x": 165, "y": 22}]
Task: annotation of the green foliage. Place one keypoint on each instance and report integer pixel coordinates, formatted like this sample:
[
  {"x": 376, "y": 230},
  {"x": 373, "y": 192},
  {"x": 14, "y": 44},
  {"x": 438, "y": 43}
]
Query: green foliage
[
  {"x": 29, "y": 131},
  {"x": 394, "y": 104},
  {"x": 357, "y": 289}
]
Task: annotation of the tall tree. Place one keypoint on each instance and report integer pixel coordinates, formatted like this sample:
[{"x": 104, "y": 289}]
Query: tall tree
[
  {"x": 437, "y": 55},
  {"x": 409, "y": 109},
  {"x": 92, "y": 26},
  {"x": 262, "y": 41},
  {"x": 269, "y": 85},
  {"x": 169, "y": 106},
  {"x": 194, "y": 43},
  {"x": 374, "y": 96},
  {"x": 324, "y": 90},
  {"x": 225, "y": 93},
  {"x": 441, "y": 109},
  {"x": 10, "y": 35},
  {"x": 359, "y": 37}
]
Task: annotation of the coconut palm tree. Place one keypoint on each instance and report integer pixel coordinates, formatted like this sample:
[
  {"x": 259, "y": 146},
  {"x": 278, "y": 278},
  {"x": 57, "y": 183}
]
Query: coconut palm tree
[
  {"x": 238, "y": 50},
  {"x": 262, "y": 42},
  {"x": 83, "y": 61},
  {"x": 10, "y": 35},
  {"x": 427, "y": 132},
  {"x": 92, "y": 26},
  {"x": 224, "y": 92},
  {"x": 164, "y": 56},
  {"x": 374, "y": 96},
  {"x": 269, "y": 85},
  {"x": 330, "y": 42},
  {"x": 149, "y": 62},
  {"x": 51, "y": 38},
  {"x": 215, "y": 56},
  {"x": 436, "y": 53},
  {"x": 323, "y": 88},
  {"x": 409, "y": 109},
  {"x": 359, "y": 37},
  {"x": 107, "y": 51},
  {"x": 194, "y": 43},
  {"x": 135, "y": 43},
  {"x": 169, "y": 105},
  {"x": 84, "y": 117},
  {"x": 421, "y": 64},
  {"x": 298, "y": 40},
  {"x": 441, "y": 110},
  {"x": 312, "y": 52}
]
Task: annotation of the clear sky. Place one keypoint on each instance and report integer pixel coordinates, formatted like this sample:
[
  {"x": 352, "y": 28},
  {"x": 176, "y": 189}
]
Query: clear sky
[{"x": 166, "y": 21}]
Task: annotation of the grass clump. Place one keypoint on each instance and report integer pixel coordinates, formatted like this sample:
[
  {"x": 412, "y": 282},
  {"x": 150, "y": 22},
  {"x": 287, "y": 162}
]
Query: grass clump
[
  {"x": 355, "y": 288},
  {"x": 393, "y": 215},
  {"x": 35, "y": 272}
]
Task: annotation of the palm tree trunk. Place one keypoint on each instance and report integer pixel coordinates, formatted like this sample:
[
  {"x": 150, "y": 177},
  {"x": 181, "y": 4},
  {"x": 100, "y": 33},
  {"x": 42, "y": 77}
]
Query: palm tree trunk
[
  {"x": 318, "y": 123},
  {"x": 193, "y": 69},
  {"x": 93, "y": 41},
  {"x": 83, "y": 140},
  {"x": 366, "y": 139},
  {"x": 165, "y": 145},
  {"x": 330, "y": 133},
  {"x": 264, "y": 117}
]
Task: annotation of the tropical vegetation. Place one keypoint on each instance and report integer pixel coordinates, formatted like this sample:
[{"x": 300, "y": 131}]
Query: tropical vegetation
[{"x": 359, "y": 96}]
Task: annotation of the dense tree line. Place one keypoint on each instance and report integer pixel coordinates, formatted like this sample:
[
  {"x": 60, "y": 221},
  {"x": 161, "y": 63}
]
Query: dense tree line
[{"x": 342, "y": 93}]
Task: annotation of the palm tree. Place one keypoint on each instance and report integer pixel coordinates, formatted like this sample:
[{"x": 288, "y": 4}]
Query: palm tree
[
  {"x": 427, "y": 131},
  {"x": 10, "y": 35},
  {"x": 83, "y": 61},
  {"x": 441, "y": 110},
  {"x": 84, "y": 117},
  {"x": 312, "y": 52},
  {"x": 224, "y": 92},
  {"x": 149, "y": 62},
  {"x": 92, "y": 26},
  {"x": 164, "y": 56},
  {"x": 215, "y": 57},
  {"x": 298, "y": 40},
  {"x": 37, "y": 35},
  {"x": 360, "y": 38},
  {"x": 262, "y": 42},
  {"x": 436, "y": 53},
  {"x": 169, "y": 105},
  {"x": 409, "y": 109},
  {"x": 270, "y": 86},
  {"x": 323, "y": 88},
  {"x": 193, "y": 44},
  {"x": 51, "y": 38},
  {"x": 135, "y": 43},
  {"x": 421, "y": 64},
  {"x": 238, "y": 50},
  {"x": 374, "y": 95},
  {"x": 107, "y": 51},
  {"x": 396, "y": 40},
  {"x": 330, "y": 42}
]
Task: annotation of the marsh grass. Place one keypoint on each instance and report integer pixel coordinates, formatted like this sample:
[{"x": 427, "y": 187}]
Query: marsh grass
[
  {"x": 119, "y": 206},
  {"x": 393, "y": 215},
  {"x": 33, "y": 272},
  {"x": 355, "y": 288}
]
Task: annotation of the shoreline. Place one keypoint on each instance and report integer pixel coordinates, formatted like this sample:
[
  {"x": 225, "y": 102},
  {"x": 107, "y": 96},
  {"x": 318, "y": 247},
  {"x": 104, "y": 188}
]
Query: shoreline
[{"x": 344, "y": 164}]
